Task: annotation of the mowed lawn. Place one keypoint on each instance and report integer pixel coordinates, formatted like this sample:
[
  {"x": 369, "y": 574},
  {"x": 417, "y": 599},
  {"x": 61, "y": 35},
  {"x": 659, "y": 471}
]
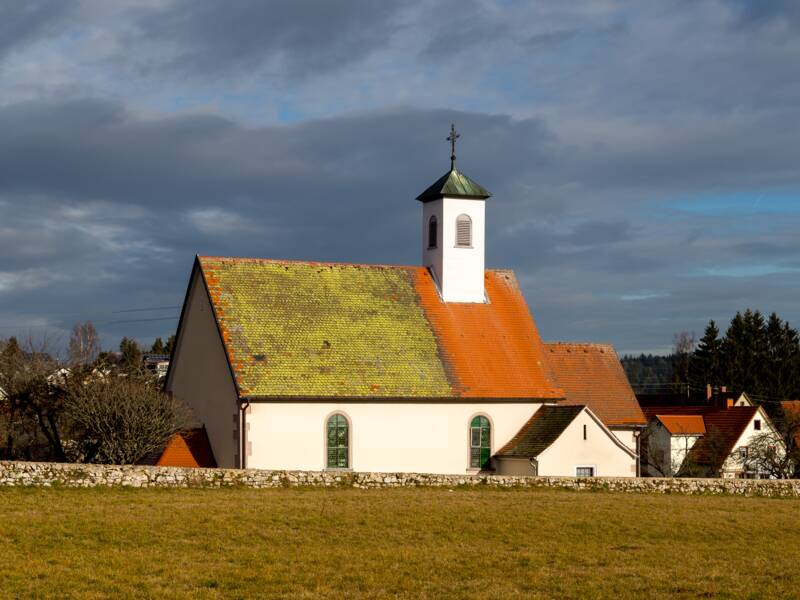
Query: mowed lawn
[{"x": 304, "y": 543}]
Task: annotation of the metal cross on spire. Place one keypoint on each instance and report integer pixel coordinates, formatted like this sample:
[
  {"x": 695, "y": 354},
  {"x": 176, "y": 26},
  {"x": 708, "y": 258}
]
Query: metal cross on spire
[{"x": 454, "y": 135}]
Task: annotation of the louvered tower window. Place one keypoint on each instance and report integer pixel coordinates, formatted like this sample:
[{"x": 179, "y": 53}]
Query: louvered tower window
[
  {"x": 432, "y": 232},
  {"x": 479, "y": 443},
  {"x": 338, "y": 442},
  {"x": 463, "y": 231}
]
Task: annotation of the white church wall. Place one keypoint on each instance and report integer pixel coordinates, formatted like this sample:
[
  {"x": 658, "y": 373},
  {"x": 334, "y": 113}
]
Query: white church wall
[
  {"x": 406, "y": 437},
  {"x": 598, "y": 450}
]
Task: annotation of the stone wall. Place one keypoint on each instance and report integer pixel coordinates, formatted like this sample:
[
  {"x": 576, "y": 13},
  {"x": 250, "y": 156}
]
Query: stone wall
[{"x": 76, "y": 475}]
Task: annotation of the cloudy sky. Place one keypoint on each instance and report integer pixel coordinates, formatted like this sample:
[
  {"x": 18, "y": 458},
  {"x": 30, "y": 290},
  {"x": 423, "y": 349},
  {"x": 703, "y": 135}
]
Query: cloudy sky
[{"x": 644, "y": 156}]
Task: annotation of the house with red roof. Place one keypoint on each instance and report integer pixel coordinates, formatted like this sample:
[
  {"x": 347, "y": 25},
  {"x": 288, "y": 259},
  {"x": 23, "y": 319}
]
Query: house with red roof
[
  {"x": 705, "y": 441},
  {"x": 435, "y": 368}
]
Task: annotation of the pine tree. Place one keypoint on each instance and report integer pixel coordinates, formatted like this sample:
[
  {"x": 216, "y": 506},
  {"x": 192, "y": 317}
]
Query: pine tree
[
  {"x": 170, "y": 345},
  {"x": 745, "y": 352},
  {"x": 158, "y": 347},
  {"x": 705, "y": 366},
  {"x": 131, "y": 355},
  {"x": 783, "y": 358}
]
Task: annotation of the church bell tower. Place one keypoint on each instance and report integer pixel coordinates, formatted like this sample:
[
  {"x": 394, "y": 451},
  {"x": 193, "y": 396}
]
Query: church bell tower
[{"x": 453, "y": 232}]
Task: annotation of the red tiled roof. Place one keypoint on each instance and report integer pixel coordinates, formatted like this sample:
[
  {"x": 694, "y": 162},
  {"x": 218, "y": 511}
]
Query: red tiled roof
[
  {"x": 683, "y": 424},
  {"x": 190, "y": 448},
  {"x": 592, "y": 375},
  {"x": 724, "y": 427},
  {"x": 306, "y": 329}
]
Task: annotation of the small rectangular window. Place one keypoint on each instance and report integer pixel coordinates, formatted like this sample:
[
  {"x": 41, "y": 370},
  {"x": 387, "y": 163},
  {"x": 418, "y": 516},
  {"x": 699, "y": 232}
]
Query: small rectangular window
[
  {"x": 584, "y": 471},
  {"x": 743, "y": 452},
  {"x": 584, "y": 432},
  {"x": 757, "y": 424}
]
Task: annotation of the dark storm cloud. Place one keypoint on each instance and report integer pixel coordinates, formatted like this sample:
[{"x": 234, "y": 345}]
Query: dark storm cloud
[
  {"x": 295, "y": 38},
  {"x": 23, "y": 21},
  {"x": 755, "y": 13},
  {"x": 596, "y": 126}
]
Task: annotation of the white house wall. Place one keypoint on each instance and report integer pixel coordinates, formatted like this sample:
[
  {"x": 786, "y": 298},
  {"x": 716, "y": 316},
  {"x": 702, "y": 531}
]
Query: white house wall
[
  {"x": 680, "y": 445},
  {"x": 411, "y": 437},
  {"x": 733, "y": 463},
  {"x": 598, "y": 450}
]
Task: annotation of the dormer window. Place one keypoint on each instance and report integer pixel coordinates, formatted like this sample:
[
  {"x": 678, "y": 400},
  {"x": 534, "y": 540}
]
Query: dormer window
[
  {"x": 432, "y": 232},
  {"x": 463, "y": 231}
]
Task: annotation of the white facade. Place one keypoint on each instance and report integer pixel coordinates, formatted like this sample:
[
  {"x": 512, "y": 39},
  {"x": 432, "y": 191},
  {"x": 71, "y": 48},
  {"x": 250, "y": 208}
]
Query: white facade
[
  {"x": 458, "y": 270},
  {"x": 419, "y": 437},
  {"x": 760, "y": 424},
  {"x": 585, "y": 444}
]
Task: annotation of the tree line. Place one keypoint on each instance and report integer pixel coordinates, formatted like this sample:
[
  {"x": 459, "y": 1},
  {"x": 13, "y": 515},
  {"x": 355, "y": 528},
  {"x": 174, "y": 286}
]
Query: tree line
[
  {"x": 755, "y": 354},
  {"x": 93, "y": 406}
]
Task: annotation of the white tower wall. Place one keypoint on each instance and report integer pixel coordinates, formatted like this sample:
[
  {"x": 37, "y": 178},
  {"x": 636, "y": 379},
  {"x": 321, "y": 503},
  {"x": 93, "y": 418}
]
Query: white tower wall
[{"x": 458, "y": 270}]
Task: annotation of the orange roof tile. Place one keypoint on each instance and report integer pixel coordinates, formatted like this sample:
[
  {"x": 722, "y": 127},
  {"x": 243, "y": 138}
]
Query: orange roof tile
[
  {"x": 306, "y": 329},
  {"x": 592, "y": 375},
  {"x": 190, "y": 448},
  {"x": 683, "y": 424}
]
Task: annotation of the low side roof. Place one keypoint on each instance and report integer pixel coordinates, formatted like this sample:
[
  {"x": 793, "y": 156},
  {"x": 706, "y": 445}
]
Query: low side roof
[
  {"x": 683, "y": 424},
  {"x": 540, "y": 431},
  {"x": 592, "y": 375},
  {"x": 302, "y": 329}
]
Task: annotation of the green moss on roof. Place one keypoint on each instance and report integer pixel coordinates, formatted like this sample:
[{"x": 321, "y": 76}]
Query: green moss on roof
[
  {"x": 328, "y": 330},
  {"x": 454, "y": 183}
]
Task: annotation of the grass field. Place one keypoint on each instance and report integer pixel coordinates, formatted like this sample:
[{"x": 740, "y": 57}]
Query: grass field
[{"x": 400, "y": 543}]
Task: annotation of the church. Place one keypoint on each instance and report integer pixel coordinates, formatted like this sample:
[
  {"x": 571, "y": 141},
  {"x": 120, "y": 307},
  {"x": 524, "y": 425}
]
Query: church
[{"x": 430, "y": 368}]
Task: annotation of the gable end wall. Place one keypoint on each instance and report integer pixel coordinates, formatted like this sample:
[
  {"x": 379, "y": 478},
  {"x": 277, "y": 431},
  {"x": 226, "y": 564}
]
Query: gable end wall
[{"x": 199, "y": 374}]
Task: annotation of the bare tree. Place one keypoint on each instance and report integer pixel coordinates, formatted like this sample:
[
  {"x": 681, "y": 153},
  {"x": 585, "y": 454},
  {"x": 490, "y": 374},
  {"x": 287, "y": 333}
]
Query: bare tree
[
  {"x": 32, "y": 401},
  {"x": 84, "y": 344},
  {"x": 119, "y": 420},
  {"x": 683, "y": 344}
]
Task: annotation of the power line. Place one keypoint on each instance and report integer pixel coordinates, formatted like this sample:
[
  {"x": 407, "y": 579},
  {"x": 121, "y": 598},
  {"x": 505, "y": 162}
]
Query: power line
[{"x": 130, "y": 310}]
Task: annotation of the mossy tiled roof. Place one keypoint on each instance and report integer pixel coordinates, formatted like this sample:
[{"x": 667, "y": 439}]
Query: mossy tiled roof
[{"x": 299, "y": 329}]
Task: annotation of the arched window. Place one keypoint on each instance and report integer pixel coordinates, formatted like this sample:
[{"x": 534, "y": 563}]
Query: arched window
[
  {"x": 432, "y": 232},
  {"x": 338, "y": 442},
  {"x": 479, "y": 443},
  {"x": 463, "y": 231}
]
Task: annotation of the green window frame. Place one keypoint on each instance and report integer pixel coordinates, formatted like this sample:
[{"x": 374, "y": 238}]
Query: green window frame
[
  {"x": 338, "y": 442},
  {"x": 480, "y": 435}
]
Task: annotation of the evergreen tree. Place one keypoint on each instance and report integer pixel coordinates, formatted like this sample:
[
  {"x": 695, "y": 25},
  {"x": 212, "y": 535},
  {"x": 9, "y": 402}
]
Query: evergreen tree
[
  {"x": 158, "y": 347},
  {"x": 170, "y": 345},
  {"x": 783, "y": 351},
  {"x": 705, "y": 366},
  {"x": 131, "y": 355},
  {"x": 745, "y": 352}
]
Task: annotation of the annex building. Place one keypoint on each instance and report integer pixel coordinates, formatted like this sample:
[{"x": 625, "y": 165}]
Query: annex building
[{"x": 435, "y": 368}]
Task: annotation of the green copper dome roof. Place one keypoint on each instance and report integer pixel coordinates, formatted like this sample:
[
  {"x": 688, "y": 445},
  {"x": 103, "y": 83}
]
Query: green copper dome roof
[{"x": 454, "y": 183}]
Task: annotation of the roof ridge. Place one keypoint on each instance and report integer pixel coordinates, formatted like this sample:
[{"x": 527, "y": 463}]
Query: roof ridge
[
  {"x": 592, "y": 344},
  {"x": 322, "y": 263}
]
